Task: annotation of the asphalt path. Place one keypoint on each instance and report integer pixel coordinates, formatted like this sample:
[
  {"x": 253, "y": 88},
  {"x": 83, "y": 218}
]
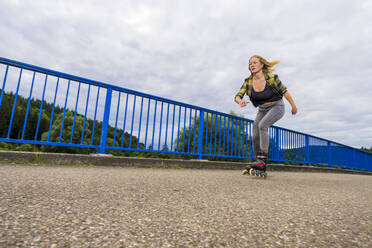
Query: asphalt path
[{"x": 94, "y": 206}]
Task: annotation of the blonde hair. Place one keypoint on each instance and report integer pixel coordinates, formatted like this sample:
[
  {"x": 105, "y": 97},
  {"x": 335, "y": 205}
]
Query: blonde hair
[{"x": 268, "y": 66}]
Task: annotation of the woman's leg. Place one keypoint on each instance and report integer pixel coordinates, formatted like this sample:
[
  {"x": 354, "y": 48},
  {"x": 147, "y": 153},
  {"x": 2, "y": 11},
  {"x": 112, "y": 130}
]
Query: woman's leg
[
  {"x": 273, "y": 114},
  {"x": 256, "y": 133}
]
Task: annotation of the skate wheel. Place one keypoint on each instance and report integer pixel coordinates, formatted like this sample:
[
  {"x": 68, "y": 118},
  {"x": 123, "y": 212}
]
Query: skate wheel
[
  {"x": 251, "y": 172},
  {"x": 244, "y": 172}
]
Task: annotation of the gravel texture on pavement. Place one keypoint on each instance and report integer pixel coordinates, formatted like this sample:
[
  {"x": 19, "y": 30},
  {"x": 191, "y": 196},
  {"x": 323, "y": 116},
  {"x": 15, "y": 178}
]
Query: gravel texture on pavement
[{"x": 93, "y": 206}]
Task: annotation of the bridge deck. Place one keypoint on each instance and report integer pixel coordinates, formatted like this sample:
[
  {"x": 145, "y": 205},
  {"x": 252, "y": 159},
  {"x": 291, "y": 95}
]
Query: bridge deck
[{"x": 57, "y": 206}]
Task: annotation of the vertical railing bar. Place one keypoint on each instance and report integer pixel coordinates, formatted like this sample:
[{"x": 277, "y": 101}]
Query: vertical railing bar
[
  {"x": 14, "y": 104},
  {"x": 166, "y": 128},
  {"x": 246, "y": 154},
  {"x": 140, "y": 124},
  {"x": 85, "y": 115},
  {"x": 106, "y": 120},
  {"x": 147, "y": 122},
  {"x": 4, "y": 83},
  {"x": 219, "y": 136},
  {"x": 206, "y": 135},
  {"x": 116, "y": 119},
  {"x": 277, "y": 145},
  {"x": 305, "y": 147},
  {"x": 288, "y": 134},
  {"x": 242, "y": 144},
  {"x": 188, "y": 143},
  {"x": 124, "y": 121},
  {"x": 302, "y": 148},
  {"x": 184, "y": 131},
  {"x": 236, "y": 137},
  {"x": 287, "y": 141},
  {"x": 298, "y": 147},
  {"x": 239, "y": 139},
  {"x": 76, "y": 106},
  {"x": 275, "y": 154},
  {"x": 200, "y": 134},
  {"x": 224, "y": 135},
  {"x": 153, "y": 126},
  {"x": 228, "y": 137},
  {"x": 179, "y": 123},
  {"x": 211, "y": 136},
  {"x": 64, "y": 112},
  {"x": 293, "y": 150},
  {"x": 271, "y": 140},
  {"x": 215, "y": 134},
  {"x": 194, "y": 144},
  {"x": 174, "y": 113},
  {"x": 303, "y": 156},
  {"x": 292, "y": 141},
  {"x": 41, "y": 107},
  {"x": 298, "y": 142},
  {"x": 281, "y": 144},
  {"x": 236, "y": 125},
  {"x": 233, "y": 143},
  {"x": 247, "y": 139},
  {"x": 133, "y": 115},
  {"x": 294, "y": 146},
  {"x": 95, "y": 116},
  {"x": 161, "y": 122},
  {"x": 52, "y": 114},
  {"x": 285, "y": 144},
  {"x": 250, "y": 142},
  {"x": 28, "y": 106},
  {"x": 220, "y": 139},
  {"x": 232, "y": 136},
  {"x": 289, "y": 145}
]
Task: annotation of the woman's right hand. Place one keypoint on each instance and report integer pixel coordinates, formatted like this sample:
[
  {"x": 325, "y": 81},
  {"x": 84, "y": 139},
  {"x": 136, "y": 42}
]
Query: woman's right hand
[{"x": 243, "y": 103}]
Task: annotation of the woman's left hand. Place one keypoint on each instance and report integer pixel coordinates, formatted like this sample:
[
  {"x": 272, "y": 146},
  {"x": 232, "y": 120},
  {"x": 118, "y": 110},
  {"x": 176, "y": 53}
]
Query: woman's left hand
[{"x": 294, "y": 110}]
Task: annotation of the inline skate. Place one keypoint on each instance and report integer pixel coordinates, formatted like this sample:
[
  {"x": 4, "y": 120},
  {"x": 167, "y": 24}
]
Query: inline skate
[{"x": 258, "y": 167}]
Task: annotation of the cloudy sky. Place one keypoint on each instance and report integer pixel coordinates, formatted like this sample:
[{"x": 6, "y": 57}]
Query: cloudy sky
[{"x": 197, "y": 52}]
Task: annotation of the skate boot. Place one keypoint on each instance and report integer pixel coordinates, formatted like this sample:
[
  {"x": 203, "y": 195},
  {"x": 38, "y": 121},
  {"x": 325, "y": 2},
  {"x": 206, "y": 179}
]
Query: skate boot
[
  {"x": 258, "y": 167},
  {"x": 261, "y": 161}
]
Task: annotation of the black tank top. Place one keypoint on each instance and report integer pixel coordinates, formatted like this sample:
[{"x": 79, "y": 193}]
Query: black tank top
[{"x": 267, "y": 95}]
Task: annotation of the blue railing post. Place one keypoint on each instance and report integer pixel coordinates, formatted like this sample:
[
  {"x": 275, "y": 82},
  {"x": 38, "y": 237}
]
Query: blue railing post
[
  {"x": 200, "y": 134},
  {"x": 105, "y": 123},
  {"x": 277, "y": 143},
  {"x": 307, "y": 146}
]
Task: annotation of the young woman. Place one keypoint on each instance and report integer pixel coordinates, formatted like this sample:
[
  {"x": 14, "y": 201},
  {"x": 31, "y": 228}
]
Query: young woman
[{"x": 265, "y": 91}]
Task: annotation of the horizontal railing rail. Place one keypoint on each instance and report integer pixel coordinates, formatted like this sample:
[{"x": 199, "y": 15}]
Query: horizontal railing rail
[{"x": 53, "y": 109}]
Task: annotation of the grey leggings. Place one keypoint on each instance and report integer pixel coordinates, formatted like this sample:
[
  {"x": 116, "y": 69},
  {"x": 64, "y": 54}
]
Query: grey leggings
[{"x": 266, "y": 116}]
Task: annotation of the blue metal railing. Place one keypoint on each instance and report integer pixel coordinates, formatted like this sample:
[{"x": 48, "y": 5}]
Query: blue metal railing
[{"x": 46, "y": 107}]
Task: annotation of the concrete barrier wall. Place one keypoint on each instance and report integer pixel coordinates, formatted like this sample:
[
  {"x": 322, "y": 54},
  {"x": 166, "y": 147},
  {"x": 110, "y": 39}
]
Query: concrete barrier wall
[{"x": 107, "y": 160}]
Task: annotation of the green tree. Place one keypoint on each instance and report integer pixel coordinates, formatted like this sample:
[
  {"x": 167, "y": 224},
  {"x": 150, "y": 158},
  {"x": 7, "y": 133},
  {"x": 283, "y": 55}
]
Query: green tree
[{"x": 221, "y": 136}]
